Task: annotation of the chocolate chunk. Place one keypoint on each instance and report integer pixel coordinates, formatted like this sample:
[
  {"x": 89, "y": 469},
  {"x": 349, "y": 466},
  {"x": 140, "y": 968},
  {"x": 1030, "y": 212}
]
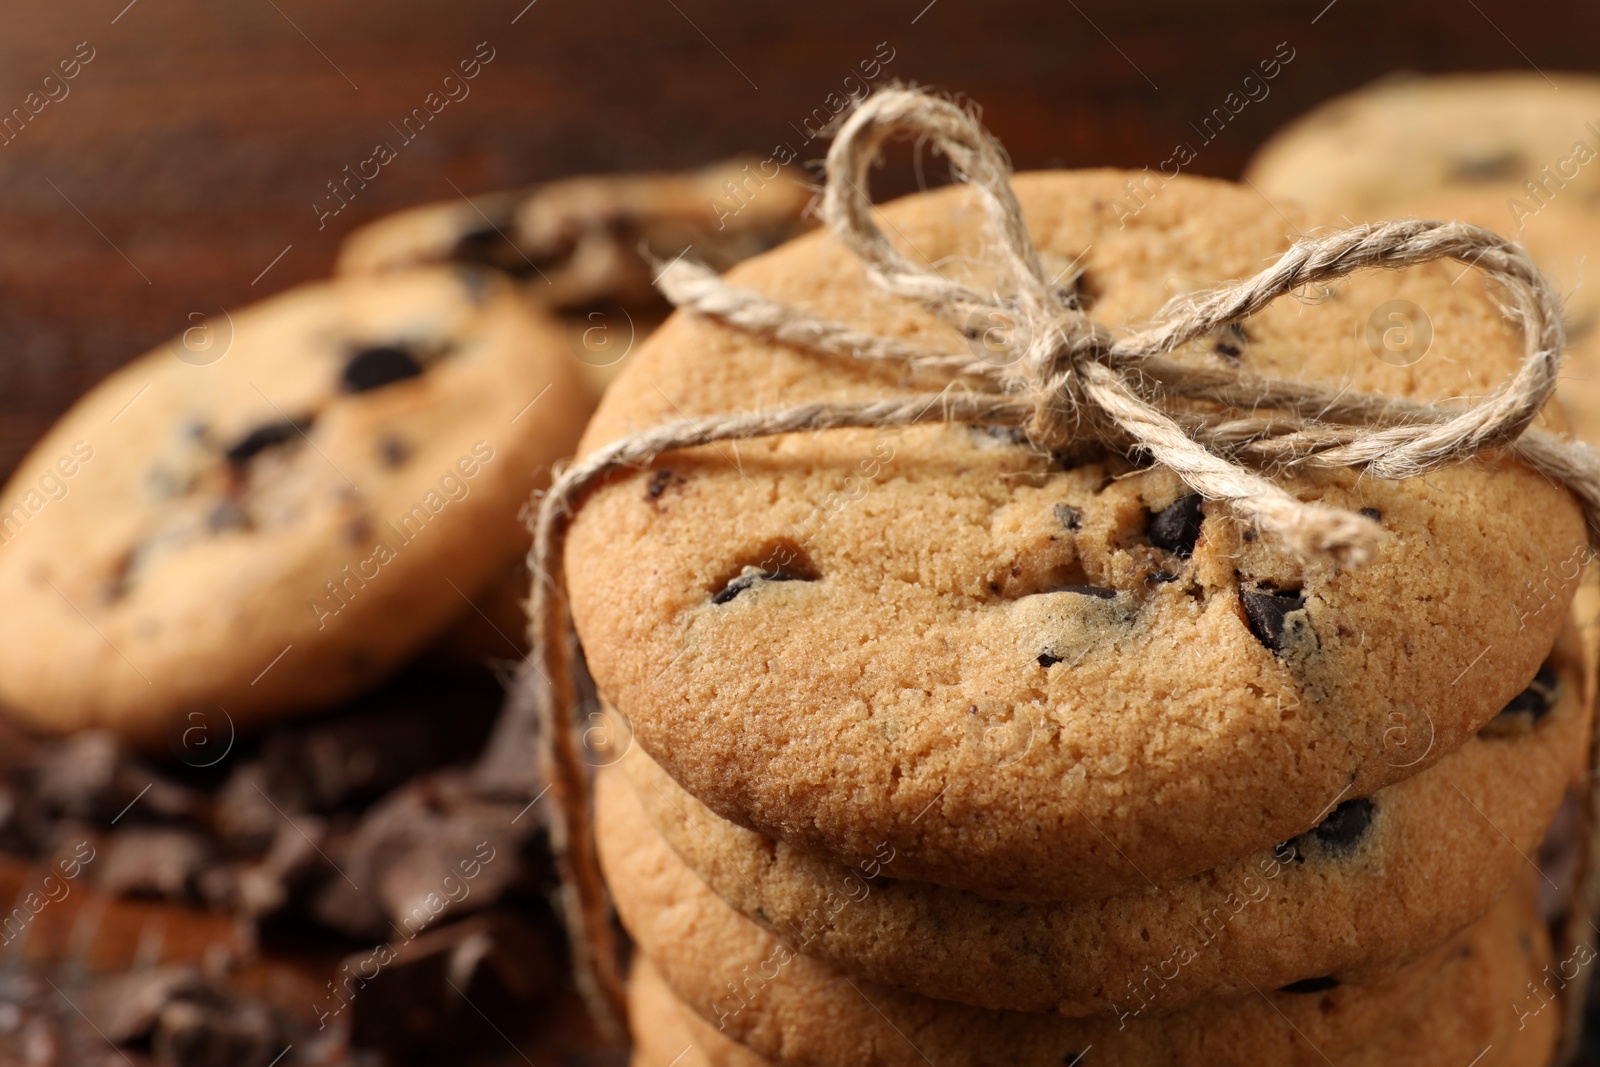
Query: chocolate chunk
[
  {"x": 431, "y": 998},
  {"x": 373, "y": 368},
  {"x": 1046, "y": 660},
  {"x": 1343, "y": 829},
  {"x": 1268, "y": 612},
  {"x": 382, "y": 739},
  {"x": 491, "y": 246},
  {"x": 125, "y": 1006},
  {"x": 294, "y": 865},
  {"x": 1311, "y": 985},
  {"x": 1176, "y": 527},
  {"x": 91, "y": 775},
  {"x": 190, "y": 1034},
  {"x": 269, "y": 435},
  {"x": 658, "y": 484},
  {"x": 751, "y": 577},
  {"x": 1069, "y": 516},
  {"x": 154, "y": 861},
  {"x": 1098, "y": 591},
  {"x": 432, "y": 849},
  {"x": 476, "y": 246},
  {"x": 1372, "y": 513}
]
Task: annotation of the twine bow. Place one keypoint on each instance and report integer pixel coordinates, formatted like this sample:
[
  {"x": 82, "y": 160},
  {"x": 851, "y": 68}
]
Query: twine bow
[{"x": 1072, "y": 381}]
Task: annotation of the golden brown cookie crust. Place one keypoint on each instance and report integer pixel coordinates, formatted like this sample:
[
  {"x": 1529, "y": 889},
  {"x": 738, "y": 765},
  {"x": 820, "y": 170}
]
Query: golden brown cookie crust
[
  {"x": 667, "y": 1034},
  {"x": 798, "y": 1012},
  {"x": 1160, "y": 737}
]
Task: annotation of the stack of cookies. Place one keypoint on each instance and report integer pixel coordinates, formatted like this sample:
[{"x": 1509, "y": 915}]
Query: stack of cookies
[{"x": 946, "y": 751}]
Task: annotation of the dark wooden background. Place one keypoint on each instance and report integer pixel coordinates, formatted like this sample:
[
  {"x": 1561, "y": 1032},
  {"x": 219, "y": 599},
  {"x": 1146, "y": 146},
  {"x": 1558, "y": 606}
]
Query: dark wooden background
[{"x": 189, "y": 152}]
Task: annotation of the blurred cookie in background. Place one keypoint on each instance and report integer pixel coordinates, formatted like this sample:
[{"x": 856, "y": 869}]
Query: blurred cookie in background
[
  {"x": 1514, "y": 152},
  {"x": 584, "y": 245},
  {"x": 279, "y": 518}
]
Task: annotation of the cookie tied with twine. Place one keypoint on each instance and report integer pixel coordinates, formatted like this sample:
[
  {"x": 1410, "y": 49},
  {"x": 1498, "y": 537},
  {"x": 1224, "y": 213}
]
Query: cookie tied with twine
[{"x": 1070, "y": 384}]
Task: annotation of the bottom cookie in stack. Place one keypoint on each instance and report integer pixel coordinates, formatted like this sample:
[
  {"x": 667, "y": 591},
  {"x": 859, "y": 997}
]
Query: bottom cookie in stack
[{"x": 1463, "y": 1000}]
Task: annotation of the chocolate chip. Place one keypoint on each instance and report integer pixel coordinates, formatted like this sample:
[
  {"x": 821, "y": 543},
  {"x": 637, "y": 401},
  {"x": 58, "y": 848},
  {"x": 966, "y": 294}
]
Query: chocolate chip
[
  {"x": 1176, "y": 527},
  {"x": 1487, "y": 168},
  {"x": 375, "y": 367},
  {"x": 471, "y": 244},
  {"x": 1232, "y": 345},
  {"x": 1372, "y": 513},
  {"x": 393, "y": 451},
  {"x": 622, "y": 225},
  {"x": 1344, "y": 827},
  {"x": 1069, "y": 516},
  {"x": 658, "y": 484},
  {"x": 269, "y": 435},
  {"x": 1046, "y": 660},
  {"x": 1268, "y": 612},
  {"x": 490, "y": 246},
  {"x": 1311, "y": 985},
  {"x": 1539, "y": 698},
  {"x": 1161, "y": 578},
  {"x": 1005, "y": 435},
  {"x": 751, "y": 577},
  {"x": 1098, "y": 591}
]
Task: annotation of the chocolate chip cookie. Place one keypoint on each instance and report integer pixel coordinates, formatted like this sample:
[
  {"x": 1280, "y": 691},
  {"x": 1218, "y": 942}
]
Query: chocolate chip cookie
[
  {"x": 760, "y": 991},
  {"x": 577, "y": 241},
  {"x": 278, "y": 518},
  {"x": 1048, "y": 677},
  {"x": 1405, "y": 137}
]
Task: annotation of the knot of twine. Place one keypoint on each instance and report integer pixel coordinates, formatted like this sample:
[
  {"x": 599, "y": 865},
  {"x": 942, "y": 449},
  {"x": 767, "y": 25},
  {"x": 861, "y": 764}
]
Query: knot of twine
[{"x": 1068, "y": 380}]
